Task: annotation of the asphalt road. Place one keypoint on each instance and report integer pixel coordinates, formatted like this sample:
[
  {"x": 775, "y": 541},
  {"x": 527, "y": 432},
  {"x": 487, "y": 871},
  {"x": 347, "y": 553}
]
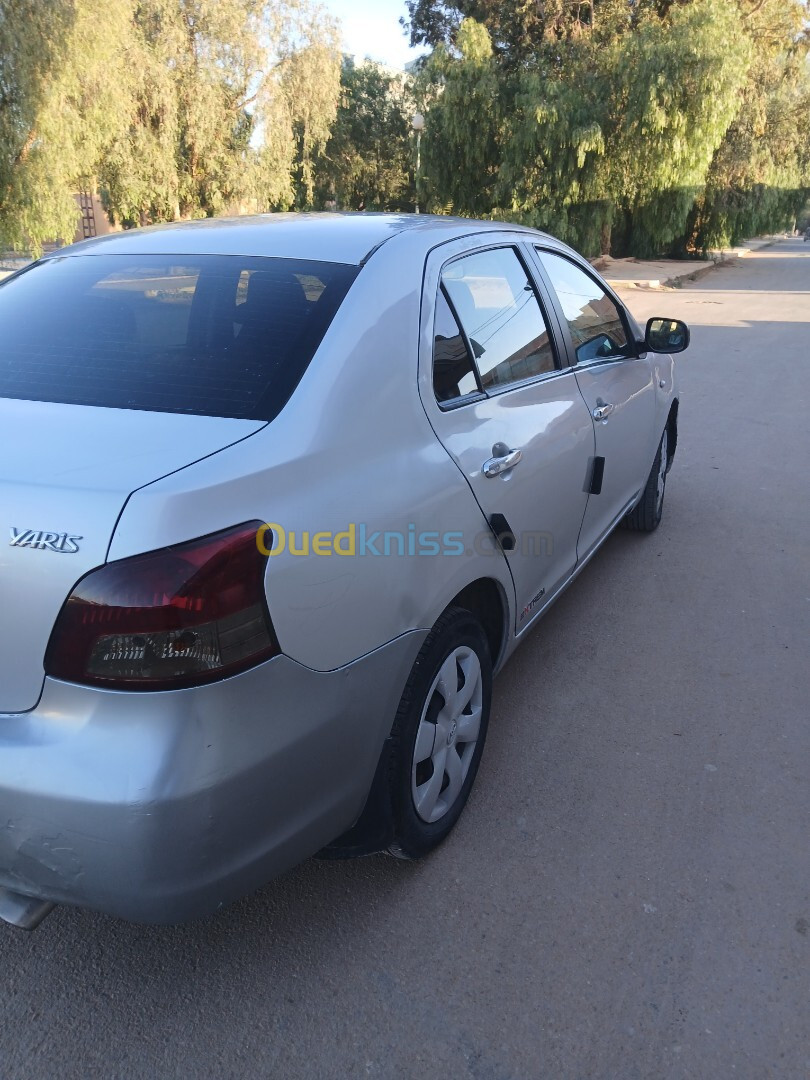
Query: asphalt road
[{"x": 628, "y": 893}]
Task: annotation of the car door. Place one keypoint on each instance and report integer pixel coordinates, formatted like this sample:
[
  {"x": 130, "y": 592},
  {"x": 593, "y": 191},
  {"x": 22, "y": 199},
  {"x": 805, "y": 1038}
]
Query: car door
[
  {"x": 511, "y": 418},
  {"x": 617, "y": 385}
]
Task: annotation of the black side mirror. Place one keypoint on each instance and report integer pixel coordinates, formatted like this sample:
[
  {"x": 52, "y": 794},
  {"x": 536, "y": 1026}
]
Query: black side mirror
[{"x": 666, "y": 336}]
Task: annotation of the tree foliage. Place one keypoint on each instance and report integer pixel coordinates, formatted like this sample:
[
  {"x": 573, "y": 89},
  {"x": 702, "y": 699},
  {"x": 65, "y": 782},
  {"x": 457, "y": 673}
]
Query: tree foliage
[
  {"x": 630, "y": 126},
  {"x": 638, "y": 127},
  {"x": 61, "y": 96},
  {"x": 175, "y": 108},
  {"x": 233, "y": 99},
  {"x": 367, "y": 163},
  {"x": 462, "y": 139},
  {"x": 759, "y": 177}
]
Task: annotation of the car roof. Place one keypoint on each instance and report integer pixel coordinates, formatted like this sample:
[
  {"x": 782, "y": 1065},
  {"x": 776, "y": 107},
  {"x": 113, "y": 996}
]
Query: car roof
[{"x": 322, "y": 237}]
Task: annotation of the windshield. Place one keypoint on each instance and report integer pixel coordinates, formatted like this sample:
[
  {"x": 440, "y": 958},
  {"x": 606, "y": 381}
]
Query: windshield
[{"x": 211, "y": 335}]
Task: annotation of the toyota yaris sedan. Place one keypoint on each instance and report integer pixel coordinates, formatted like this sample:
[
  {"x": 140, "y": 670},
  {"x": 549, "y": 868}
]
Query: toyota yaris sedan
[{"x": 279, "y": 495}]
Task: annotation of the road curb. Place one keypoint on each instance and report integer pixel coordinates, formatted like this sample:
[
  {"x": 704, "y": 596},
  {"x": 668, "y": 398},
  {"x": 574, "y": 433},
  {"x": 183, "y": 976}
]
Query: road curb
[
  {"x": 677, "y": 281},
  {"x": 718, "y": 259}
]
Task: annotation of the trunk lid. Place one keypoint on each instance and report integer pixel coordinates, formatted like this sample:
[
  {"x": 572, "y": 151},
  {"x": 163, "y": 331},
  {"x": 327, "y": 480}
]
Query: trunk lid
[{"x": 66, "y": 472}]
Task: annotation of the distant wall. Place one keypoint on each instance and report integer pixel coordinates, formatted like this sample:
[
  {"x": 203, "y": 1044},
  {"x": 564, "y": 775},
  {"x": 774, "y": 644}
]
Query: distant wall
[{"x": 94, "y": 221}]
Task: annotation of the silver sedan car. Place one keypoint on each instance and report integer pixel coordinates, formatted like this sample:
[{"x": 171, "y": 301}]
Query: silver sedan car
[{"x": 280, "y": 494}]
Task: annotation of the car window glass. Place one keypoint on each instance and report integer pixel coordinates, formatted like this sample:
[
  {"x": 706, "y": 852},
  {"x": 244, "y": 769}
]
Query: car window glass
[
  {"x": 501, "y": 315},
  {"x": 596, "y": 326},
  {"x": 453, "y": 371},
  {"x": 214, "y": 335}
]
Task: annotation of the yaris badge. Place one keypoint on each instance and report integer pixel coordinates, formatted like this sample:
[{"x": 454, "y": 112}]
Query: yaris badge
[{"x": 62, "y": 543}]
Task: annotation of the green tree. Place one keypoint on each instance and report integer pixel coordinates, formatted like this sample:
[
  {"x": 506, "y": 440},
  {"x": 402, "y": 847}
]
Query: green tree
[
  {"x": 176, "y": 108},
  {"x": 310, "y": 81},
  {"x": 367, "y": 162},
  {"x": 759, "y": 179},
  {"x": 233, "y": 97},
  {"x": 607, "y": 121},
  {"x": 674, "y": 96},
  {"x": 462, "y": 138},
  {"x": 517, "y": 28},
  {"x": 63, "y": 87}
]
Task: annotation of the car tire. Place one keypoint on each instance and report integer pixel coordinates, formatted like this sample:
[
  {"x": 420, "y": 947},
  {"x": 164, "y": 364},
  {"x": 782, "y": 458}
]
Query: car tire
[
  {"x": 646, "y": 514},
  {"x": 439, "y": 732}
]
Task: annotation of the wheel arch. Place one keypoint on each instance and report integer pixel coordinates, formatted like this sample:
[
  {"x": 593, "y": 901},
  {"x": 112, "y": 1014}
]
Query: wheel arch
[
  {"x": 672, "y": 433},
  {"x": 486, "y": 600}
]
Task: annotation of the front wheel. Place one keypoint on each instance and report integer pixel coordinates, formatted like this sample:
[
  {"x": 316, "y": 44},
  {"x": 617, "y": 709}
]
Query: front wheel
[
  {"x": 439, "y": 733},
  {"x": 646, "y": 514}
]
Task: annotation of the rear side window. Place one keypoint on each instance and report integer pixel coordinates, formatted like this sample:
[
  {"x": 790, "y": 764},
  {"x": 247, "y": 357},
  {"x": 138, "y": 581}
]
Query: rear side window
[
  {"x": 597, "y": 329},
  {"x": 453, "y": 371},
  {"x": 212, "y": 335},
  {"x": 501, "y": 315}
]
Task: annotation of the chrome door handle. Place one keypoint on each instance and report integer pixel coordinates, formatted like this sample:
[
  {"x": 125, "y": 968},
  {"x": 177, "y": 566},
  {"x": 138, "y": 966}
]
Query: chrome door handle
[
  {"x": 503, "y": 462},
  {"x": 602, "y": 410}
]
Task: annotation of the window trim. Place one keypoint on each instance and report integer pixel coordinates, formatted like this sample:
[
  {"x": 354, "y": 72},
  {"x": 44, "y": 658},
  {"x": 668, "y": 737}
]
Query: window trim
[
  {"x": 565, "y": 330},
  {"x": 460, "y": 402},
  {"x": 550, "y": 325}
]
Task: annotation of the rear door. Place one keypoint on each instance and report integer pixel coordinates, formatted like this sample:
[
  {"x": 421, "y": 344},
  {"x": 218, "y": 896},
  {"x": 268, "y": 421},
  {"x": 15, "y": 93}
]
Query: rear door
[
  {"x": 617, "y": 385},
  {"x": 508, "y": 413}
]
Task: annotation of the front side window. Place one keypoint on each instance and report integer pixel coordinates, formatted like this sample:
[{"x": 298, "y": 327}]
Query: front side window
[
  {"x": 597, "y": 329},
  {"x": 211, "y": 335},
  {"x": 497, "y": 306}
]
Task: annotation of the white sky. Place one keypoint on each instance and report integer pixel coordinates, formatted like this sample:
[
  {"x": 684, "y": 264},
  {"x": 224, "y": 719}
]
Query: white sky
[{"x": 371, "y": 28}]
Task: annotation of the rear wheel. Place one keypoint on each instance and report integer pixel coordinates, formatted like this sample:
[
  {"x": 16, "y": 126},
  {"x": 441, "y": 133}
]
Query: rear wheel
[
  {"x": 439, "y": 733},
  {"x": 646, "y": 515}
]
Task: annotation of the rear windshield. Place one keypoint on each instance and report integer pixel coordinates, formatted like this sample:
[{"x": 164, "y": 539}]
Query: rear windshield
[{"x": 211, "y": 335}]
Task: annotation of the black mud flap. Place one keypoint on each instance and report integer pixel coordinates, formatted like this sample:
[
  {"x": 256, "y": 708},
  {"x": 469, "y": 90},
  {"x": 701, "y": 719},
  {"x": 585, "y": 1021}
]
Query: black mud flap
[{"x": 374, "y": 829}]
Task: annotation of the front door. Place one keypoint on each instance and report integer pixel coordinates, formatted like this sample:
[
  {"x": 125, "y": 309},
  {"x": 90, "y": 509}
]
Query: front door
[
  {"x": 513, "y": 421},
  {"x": 617, "y": 386}
]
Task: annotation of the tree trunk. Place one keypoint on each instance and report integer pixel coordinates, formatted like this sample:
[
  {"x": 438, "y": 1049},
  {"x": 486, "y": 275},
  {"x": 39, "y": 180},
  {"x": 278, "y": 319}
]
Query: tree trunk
[{"x": 607, "y": 228}]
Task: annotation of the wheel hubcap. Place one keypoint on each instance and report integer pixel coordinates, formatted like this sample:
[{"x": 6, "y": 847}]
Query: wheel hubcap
[
  {"x": 447, "y": 734},
  {"x": 662, "y": 475}
]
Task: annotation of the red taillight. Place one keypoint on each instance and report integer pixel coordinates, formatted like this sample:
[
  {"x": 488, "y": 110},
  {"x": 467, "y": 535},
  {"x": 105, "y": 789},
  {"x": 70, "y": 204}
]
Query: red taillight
[{"x": 172, "y": 618}]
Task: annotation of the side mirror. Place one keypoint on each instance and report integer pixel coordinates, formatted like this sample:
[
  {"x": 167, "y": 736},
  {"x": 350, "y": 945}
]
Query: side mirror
[{"x": 666, "y": 336}]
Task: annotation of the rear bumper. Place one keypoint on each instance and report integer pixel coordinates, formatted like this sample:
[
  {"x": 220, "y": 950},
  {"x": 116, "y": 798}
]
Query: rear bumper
[{"x": 160, "y": 807}]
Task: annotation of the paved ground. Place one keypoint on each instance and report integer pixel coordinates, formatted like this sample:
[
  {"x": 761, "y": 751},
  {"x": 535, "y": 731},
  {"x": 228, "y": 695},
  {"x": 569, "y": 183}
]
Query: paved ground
[
  {"x": 628, "y": 894},
  {"x": 654, "y": 274}
]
